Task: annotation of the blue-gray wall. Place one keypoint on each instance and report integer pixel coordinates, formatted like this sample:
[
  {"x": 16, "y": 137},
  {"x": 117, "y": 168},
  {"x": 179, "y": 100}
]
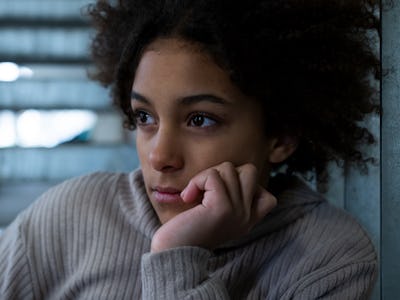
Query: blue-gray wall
[{"x": 390, "y": 213}]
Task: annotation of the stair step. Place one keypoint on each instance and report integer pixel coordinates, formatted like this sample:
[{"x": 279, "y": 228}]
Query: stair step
[
  {"x": 41, "y": 9},
  {"x": 54, "y": 94},
  {"x": 44, "y": 43},
  {"x": 64, "y": 161}
]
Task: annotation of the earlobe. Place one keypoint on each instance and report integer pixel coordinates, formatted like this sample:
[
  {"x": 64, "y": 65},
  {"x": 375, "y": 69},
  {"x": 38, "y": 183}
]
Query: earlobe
[{"x": 281, "y": 149}]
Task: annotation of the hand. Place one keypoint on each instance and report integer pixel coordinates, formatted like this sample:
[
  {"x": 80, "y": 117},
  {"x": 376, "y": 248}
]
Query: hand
[{"x": 231, "y": 204}]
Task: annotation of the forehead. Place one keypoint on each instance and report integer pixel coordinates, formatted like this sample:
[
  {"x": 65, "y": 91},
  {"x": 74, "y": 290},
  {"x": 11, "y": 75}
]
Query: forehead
[
  {"x": 176, "y": 57},
  {"x": 172, "y": 45},
  {"x": 173, "y": 66}
]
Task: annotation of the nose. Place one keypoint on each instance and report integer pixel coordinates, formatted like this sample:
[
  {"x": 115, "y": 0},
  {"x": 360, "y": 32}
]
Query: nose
[{"x": 166, "y": 152}]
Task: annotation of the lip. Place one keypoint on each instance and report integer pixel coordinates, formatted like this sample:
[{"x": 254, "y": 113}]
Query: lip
[{"x": 166, "y": 195}]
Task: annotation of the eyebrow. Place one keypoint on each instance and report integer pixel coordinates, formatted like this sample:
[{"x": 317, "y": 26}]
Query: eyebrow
[
  {"x": 187, "y": 100},
  {"x": 138, "y": 97}
]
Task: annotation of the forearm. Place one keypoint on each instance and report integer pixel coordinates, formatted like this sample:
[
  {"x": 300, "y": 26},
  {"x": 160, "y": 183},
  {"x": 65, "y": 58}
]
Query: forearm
[{"x": 180, "y": 273}]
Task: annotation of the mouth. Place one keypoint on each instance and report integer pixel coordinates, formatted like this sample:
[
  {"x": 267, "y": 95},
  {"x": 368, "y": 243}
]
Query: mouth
[{"x": 166, "y": 194}]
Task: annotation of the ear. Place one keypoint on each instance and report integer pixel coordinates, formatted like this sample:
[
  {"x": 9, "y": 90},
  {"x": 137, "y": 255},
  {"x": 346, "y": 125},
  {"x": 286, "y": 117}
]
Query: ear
[{"x": 281, "y": 148}]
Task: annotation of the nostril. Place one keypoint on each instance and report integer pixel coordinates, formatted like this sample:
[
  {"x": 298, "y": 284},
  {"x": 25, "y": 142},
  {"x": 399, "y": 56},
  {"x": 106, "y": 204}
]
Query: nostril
[
  {"x": 167, "y": 169},
  {"x": 165, "y": 162}
]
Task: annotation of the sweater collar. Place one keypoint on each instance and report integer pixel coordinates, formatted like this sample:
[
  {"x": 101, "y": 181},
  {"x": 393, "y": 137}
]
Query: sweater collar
[
  {"x": 136, "y": 205},
  {"x": 295, "y": 199}
]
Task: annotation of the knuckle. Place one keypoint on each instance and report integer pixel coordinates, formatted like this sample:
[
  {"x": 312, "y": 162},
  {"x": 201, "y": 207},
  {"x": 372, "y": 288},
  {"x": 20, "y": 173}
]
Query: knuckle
[
  {"x": 251, "y": 168},
  {"x": 210, "y": 173},
  {"x": 228, "y": 166},
  {"x": 274, "y": 201},
  {"x": 248, "y": 169}
]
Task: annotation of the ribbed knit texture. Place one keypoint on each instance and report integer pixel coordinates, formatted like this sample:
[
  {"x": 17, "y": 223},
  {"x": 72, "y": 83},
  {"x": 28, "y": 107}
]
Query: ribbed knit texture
[{"x": 89, "y": 238}]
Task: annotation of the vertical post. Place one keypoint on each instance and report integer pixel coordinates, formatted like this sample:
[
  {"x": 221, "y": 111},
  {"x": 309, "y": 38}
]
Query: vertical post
[
  {"x": 390, "y": 152},
  {"x": 362, "y": 195}
]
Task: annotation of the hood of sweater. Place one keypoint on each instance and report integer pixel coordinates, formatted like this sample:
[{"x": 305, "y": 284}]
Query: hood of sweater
[{"x": 295, "y": 199}]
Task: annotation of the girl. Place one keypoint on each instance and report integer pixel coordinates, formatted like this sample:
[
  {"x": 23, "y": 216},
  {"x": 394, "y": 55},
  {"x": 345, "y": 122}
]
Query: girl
[{"x": 229, "y": 100}]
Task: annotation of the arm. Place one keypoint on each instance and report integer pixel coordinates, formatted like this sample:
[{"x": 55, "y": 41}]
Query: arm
[
  {"x": 180, "y": 273},
  {"x": 342, "y": 266},
  {"x": 15, "y": 276},
  {"x": 349, "y": 281}
]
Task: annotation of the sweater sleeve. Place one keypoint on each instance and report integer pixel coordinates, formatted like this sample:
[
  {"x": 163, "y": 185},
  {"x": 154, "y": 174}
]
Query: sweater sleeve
[
  {"x": 15, "y": 277},
  {"x": 180, "y": 273},
  {"x": 344, "y": 269},
  {"x": 351, "y": 281}
]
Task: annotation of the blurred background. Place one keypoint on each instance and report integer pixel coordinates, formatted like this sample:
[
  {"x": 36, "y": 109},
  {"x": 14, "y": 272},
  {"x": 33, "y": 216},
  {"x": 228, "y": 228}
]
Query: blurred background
[{"x": 54, "y": 122}]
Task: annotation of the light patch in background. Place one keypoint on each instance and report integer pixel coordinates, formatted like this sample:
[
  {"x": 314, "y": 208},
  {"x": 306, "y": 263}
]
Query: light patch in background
[
  {"x": 10, "y": 72},
  {"x": 8, "y": 137},
  {"x": 50, "y": 128},
  {"x": 36, "y": 128}
]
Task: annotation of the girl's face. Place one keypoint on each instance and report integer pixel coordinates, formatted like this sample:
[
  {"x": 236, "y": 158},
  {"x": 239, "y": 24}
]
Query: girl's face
[{"x": 190, "y": 117}]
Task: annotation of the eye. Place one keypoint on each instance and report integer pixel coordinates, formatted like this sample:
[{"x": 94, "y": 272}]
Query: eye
[
  {"x": 202, "y": 120},
  {"x": 143, "y": 118}
]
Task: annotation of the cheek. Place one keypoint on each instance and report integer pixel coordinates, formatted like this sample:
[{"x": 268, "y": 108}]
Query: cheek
[
  {"x": 238, "y": 150},
  {"x": 142, "y": 149},
  {"x": 142, "y": 152}
]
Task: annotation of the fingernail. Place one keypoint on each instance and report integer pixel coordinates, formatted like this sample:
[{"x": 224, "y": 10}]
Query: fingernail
[{"x": 183, "y": 193}]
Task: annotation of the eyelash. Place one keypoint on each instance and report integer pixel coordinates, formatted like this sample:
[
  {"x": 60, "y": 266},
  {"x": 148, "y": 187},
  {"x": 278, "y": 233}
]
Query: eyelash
[
  {"x": 214, "y": 120},
  {"x": 206, "y": 118},
  {"x": 137, "y": 114}
]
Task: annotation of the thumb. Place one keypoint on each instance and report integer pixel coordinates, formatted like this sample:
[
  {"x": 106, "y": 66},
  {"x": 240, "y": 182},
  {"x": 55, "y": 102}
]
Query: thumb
[
  {"x": 263, "y": 203},
  {"x": 191, "y": 193}
]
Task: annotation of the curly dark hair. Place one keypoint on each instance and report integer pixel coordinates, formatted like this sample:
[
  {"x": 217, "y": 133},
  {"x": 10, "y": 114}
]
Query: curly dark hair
[{"x": 311, "y": 63}]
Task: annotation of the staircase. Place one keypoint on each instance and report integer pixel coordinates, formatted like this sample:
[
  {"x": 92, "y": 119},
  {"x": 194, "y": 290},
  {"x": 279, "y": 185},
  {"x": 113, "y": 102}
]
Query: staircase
[{"x": 50, "y": 38}]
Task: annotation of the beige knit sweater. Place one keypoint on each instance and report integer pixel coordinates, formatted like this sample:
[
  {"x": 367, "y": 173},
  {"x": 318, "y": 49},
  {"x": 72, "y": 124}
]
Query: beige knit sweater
[{"x": 89, "y": 238}]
